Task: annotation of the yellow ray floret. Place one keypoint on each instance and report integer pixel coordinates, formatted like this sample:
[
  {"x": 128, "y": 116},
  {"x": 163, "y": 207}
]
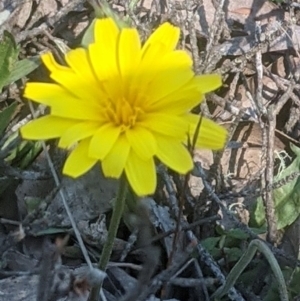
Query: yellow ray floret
[{"x": 123, "y": 104}]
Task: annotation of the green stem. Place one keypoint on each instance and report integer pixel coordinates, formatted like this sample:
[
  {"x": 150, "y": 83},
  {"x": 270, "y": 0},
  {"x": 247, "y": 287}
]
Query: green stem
[
  {"x": 255, "y": 245},
  {"x": 112, "y": 232}
]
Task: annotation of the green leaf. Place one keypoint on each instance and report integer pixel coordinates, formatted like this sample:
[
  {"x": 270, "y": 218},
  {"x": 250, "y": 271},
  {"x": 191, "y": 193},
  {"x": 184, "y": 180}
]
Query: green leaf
[
  {"x": 293, "y": 276},
  {"x": 52, "y": 231},
  {"x": 88, "y": 37},
  {"x": 238, "y": 234},
  {"x": 210, "y": 243},
  {"x": 233, "y": 254},
  {"x": 102, "y": 10},
  {"x": 8, "y": 55},
  {"x": 286, "y": 198},
  {"x": 32, "y": 203},
  {"x": 5, "y": 116},
  {"x": 22, "y": 68},
  {"x": 24, "y": 153}
]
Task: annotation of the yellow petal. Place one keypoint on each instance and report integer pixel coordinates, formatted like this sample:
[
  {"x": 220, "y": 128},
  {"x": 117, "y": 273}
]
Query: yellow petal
[
  {"x": 166, "y": 34},
  {"x": 47, "y": 127},
  {"x": 150, "y": 56},
  {"x": 103, "y": 56},
  {"x": 141, "y": 174},
  {"x": 129, "y": 53},
  {"x": 174, "y": 71},
  {"x": 62, "y": 102},
  {"x": 166, "y": 124},
  {"x": 187, "y": 96},
  {"x": 211, "y": 135},
  {"x": 113, "y": 164},
  {"x": 75, "y": 83},
  {"x": 78, "y": 60},
  {"x": 174, "y": 154},
  {"x": 106, "y": 70},
  {"x": 78, "y": 162},
  {"x": 77, "y": 132},
  {"x": 176, "y": 60},
  {"x": 142, "y": 142},
  {"x": 208, "y": 82},
  {"x": 161, "y": 43},
  {"x": 78, "y": 86},
  {"x": 52, "y": 65},
  {"x": 103, "y": 141},
  {"x": 178, "y": 102},
  {"x": 106, "y": 32}
]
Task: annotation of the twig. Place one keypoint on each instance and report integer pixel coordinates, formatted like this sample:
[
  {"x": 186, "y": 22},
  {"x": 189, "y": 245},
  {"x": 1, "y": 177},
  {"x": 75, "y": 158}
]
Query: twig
[
  {"x": 143, "y": 224},
  {"x": 192, "y": 282},
  {"x": 198, "y": 171},
  {"x": 52, "y": 21},
  {"x": 205, "y": 257},
  {"x": 202, "y": 253},
  {"x": 192, "y": 35},
  {"x": 269, "y": 175},
  {"x": 50, "y": 258},
  {"x": 268, "y": 136},
  {"x": 214, "y": 33},
  {"x": 165, "y": 275}
]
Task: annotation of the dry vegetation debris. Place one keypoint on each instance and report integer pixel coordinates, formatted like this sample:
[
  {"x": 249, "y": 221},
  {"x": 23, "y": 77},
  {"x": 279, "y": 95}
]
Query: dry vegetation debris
[{"x": 254, "y": 45}]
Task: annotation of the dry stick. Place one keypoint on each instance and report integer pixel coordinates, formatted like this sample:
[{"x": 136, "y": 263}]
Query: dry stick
[
  {"x": 269, "y": 176},
  {"x": 199, "y": 172},
  {"x": 268, "y": 192},
  {"x": 215, "y": 28},
  {"x": 47, "y": 271},
  {"x": 156, "y": 283},
  {"x": 218, "y": 27},
  {"x": 227, "y": 106},
  {"x": 202, "y": 252},
  {"x": 193, "y": 36},
  {"x": 129, "y": 244},
  {"x": 199, "y": 282},
  {"x": 256, "y": 192},
  {"x": 192, "y": 282},
  {"x": 177, "y": 229},
  {"x": 203, "y": 286},
  {"x": 268, "y": 136},
  {"x": 52, "y": 21},
  {"x": 184, "y": 188},
  {"x": 284, "y": 85},
  {"x": 205, "y": 257},
  {"x": 152, "y": 253},
  {"x": 187, "y": 227}
]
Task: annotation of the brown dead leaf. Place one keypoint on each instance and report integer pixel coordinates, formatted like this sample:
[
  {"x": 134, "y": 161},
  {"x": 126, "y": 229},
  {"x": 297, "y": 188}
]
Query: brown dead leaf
[
  {"x": 23, "y": 13},
  {"x": 46, "y": 8},
  {"x": 278, "y": 67},
  {"x": 245, "y": 11}
]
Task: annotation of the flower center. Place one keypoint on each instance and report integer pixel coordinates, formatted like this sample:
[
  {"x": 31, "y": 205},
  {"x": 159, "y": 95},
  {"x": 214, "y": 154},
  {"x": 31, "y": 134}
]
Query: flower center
[{"x": 122, "y": 113}]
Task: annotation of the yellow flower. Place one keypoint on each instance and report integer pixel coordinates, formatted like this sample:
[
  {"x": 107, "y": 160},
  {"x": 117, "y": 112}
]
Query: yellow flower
[{"x": 123, "y": 104}]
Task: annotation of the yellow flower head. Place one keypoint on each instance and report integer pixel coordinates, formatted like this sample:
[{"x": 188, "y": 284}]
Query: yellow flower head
[{"x": 123, "y": 103}]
